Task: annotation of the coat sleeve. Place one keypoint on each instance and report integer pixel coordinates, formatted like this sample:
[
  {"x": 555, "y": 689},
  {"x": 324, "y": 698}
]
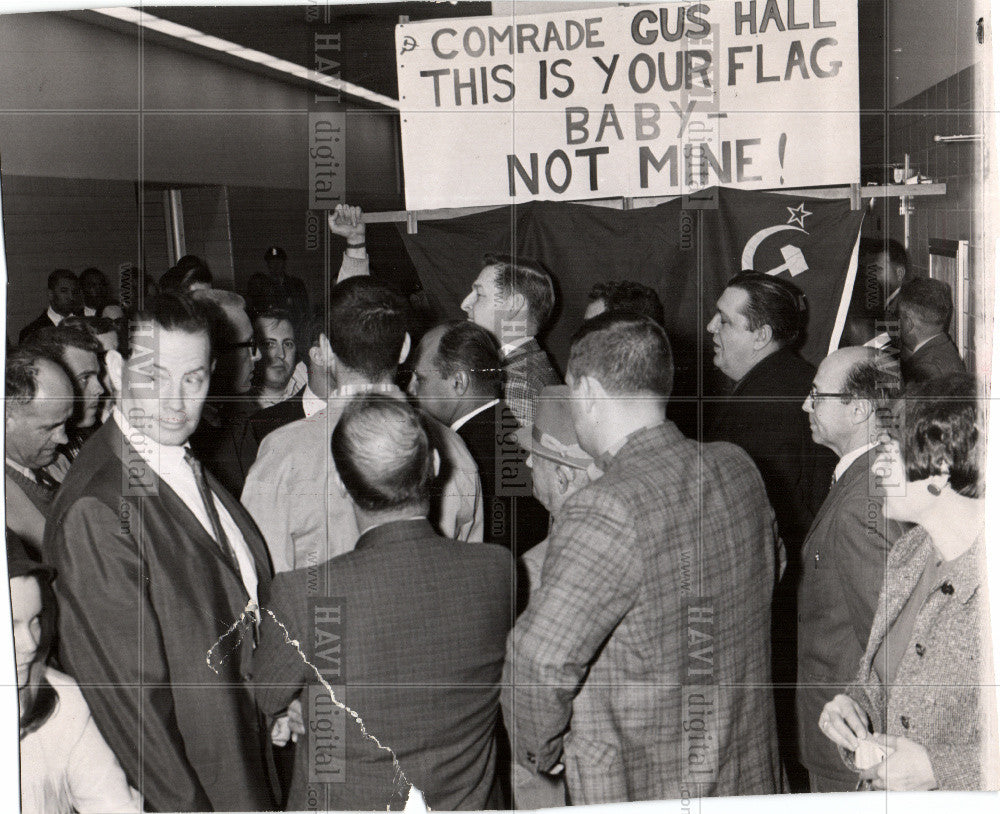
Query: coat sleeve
[
  {"x": 266, "y": 496},
  {"x": 590, "y": 579},
  {"x": 352, "y": 267},
  {"x": 111, "y": 642},
  {"x": 279, "y": 668}
]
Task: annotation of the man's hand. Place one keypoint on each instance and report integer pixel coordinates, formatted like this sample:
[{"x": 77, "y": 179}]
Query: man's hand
[
  {"x": 844, "y": 721},
  {"x": 288, "y": 725},
  {"x": 346, "y": 221},
  {"x": 906, "y": 768}
]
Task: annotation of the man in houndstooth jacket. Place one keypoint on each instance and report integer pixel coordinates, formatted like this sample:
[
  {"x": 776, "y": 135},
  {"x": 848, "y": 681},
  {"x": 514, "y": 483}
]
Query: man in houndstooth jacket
[{"x": 642, "y": 664}]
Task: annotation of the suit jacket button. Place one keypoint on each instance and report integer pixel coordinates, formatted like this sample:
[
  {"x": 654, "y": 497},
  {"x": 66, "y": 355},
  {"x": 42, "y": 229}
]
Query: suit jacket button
[
  {"x": 920, "y": 649},
  {"x": 948, "y": 589},
  {"x": 247, "y": 677},
  {"x": 904, "y": 721},
  {"x": 532, "y": 758}
]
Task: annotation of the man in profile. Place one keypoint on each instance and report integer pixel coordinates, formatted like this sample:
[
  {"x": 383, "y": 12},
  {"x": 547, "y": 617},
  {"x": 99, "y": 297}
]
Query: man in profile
[
  {"x": 925, "y": 311},
  {"x": 161, "y": 574},
  {"x": 419, "y": 624}
]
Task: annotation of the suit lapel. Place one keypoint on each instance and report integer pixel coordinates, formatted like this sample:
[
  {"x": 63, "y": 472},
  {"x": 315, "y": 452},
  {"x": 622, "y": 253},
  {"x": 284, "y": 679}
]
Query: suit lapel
[{"x": 251, "y": 536}]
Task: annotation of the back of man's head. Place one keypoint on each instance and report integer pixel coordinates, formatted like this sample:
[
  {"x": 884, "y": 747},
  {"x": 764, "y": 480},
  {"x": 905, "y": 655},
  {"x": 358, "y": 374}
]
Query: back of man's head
[
  {"x": 60, "y": 274},
  {"x": 383, "y": 455},
  {"x": 774, "y": 302},
  {"x": 626, "y": 295},
  {"x": 53, "y": 341},
  {"x": 470, "y": 347},
  {"x": 627, "y": 354},
  {"x": 21, "y": 377},
  {"x": 366, "y": 326},
  {"x": 874, "y": 378},
  {"x": 528, "y": 279},
  {"x": 928, "y": 301},
  {"x": 168, "y": 311}
]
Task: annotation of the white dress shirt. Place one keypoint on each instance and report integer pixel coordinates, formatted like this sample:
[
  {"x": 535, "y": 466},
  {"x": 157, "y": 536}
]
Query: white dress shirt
[
  {"x": 844, "y": 463},
  {"x": 54, "y": 317},
  {"x": 22, "y": 469},
  {"x": 311, "y": 403},
  {"x": 169, "y": 465},
  {"x": 461, "y": 422},
  {"x": 507, "y": 348}
]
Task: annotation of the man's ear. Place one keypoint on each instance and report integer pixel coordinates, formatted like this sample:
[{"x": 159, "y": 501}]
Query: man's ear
[
  {"x": 589, "y": 391},
  {"x": 326, "y": 357},
  {"x": 405, "y": 351},
  {"x": 563, "y": 478},
  {"x": 436, "y": 460},
  {"x": 762, "y": 337},
  {"x": 115, "y": 364},
  {"x": 460, "y": 382},
  {"x": 517, "y": 306}
]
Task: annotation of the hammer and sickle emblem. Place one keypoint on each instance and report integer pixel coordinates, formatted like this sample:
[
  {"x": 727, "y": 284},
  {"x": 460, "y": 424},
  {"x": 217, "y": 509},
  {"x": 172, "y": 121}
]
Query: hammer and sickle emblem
[
  {"x": 795, "y": 262},
  {"x": 409, "y": 43}
]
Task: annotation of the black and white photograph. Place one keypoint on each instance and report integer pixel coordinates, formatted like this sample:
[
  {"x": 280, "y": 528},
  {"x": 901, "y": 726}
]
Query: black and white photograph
[{"x": 501, "y": 406}]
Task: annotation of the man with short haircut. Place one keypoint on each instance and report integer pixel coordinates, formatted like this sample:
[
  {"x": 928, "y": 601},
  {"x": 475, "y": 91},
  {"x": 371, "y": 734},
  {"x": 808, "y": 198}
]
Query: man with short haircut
[
  {"x": 40, "y": 398},
  {"x": 458, "y": 380},
  {"x": 925, "y": 311},
  {"x": 513, "y": 299},
  {"x": 845, "y": 553},
  {"x": 421, "y": 623},
  {"x": 161, "y": 573},
  {"x": 276, "y": 339},
  {"x": 95, "y": 291},
  {"x": 290, "y": 490},
  {"x": 65, "y": 298},
  {"x": 79, "y": 353},
  {"x": 616, "y": 618},
  {"x": 624, "y": 295}
]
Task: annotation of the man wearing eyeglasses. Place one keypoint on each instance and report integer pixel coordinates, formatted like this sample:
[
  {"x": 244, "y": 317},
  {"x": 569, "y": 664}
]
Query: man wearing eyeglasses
[{"x": 849, "y": 407}]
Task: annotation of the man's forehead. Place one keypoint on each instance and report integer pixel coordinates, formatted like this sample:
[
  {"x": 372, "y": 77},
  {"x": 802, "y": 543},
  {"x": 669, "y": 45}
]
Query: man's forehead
[
  {"x": 168, "y": 344},
  {"x": 732, "y": 301},
  {"x": 275, "y": 325},
  {"x": 80, "y": 360}
]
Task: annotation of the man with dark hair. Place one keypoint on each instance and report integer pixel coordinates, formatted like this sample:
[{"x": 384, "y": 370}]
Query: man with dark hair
[
  {"x": 289, "y": 489},
  {"x": 458, "y": 380},
  {"x": 513, "y": 299},
  {"x": 95, "y": 290},
  {"x": 190, "y": 274},
  {"x": 624, "y": 295},
  {"x": 65, "y": 298},
  {"x": 161, "y": 574},
  {"x": 882, "y": 268},
  {"x": 80, "y": 356},
  {"x": 276, "y": 339},
  {"x": 844, "y": 556},
  {"x": 615, "y": 608},
  {"x": 758, "y": 323},
  {"x": 39, "y": 396},
  {"x": 925, "y": 311},
  {"x": 421, "y": 622}
]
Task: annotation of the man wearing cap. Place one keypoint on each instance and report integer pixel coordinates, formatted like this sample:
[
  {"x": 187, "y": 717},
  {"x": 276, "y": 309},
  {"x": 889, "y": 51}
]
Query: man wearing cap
[
  {"x": 654, "y": 603},
  {"x": 559, "y": 469},
  {"x": 276, "y": 289}
]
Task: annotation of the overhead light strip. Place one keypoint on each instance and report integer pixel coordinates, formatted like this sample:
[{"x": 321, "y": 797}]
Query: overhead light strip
[{"x": 203, "y": 40}]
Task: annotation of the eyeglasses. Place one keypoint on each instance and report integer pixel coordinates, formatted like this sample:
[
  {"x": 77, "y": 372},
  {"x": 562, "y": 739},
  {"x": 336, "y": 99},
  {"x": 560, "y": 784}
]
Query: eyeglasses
[
  {"x": 250, "y": 343},
  {"x": 815, "y": 394}
]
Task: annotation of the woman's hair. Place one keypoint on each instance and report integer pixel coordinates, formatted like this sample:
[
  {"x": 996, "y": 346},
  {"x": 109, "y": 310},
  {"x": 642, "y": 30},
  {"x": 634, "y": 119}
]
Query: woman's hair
[
  {"x": 39, "y": 699},
  {"x": 943, "y": 432}
]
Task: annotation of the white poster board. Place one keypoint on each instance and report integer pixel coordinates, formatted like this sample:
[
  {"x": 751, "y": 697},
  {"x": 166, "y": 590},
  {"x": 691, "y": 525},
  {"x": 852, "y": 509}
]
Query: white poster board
[{"x": 629, "y": 101}]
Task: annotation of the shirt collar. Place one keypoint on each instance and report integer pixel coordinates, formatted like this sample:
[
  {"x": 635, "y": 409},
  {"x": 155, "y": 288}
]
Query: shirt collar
[
  {"x": 22, "y": 469},
  {"x": 928, "y": 339},
  {"x": 844, "y": 463},
  {"x": 311, "y": 403},
  {"x": 603, "y": 461},
  {"x": 461, "y": 422},
  {"x": 349, "y": 390},
  {"x": 508, "y": 348},
  {"x": 56, "y": 318},
  {"x": 89, "y": 312}
]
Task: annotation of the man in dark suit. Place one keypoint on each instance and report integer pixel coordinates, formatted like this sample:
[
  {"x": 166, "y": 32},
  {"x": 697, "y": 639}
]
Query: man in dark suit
[
  {"x": 513, "y": 301},
  {"x": 65, "y": 298},
  {"x": 925, "y": 311},
  {"x": 161, "y": 574},
  {"x": 457, "y": 379},
  {"x": 407, "y": 630},
  {"x": 844, "y": 555},
  {"x": 618, "y": 644}
]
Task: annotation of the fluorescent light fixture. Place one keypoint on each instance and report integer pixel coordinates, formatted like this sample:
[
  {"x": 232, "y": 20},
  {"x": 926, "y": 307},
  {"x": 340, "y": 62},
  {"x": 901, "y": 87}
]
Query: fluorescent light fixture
[{"x": 199, "y": 38}]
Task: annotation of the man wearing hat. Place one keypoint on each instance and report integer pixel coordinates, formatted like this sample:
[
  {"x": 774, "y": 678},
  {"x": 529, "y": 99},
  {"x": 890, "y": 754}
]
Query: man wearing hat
[{"x": 276, "y": 289}]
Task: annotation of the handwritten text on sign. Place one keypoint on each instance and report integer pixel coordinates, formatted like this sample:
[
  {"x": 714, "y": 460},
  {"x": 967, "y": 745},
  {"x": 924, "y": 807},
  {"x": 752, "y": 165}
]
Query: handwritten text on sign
[{"x": 654, "y": 100}]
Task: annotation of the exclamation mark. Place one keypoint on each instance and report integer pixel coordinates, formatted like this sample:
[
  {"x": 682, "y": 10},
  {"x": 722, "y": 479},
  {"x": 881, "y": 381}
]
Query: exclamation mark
[{"x": 782, "y": 141}]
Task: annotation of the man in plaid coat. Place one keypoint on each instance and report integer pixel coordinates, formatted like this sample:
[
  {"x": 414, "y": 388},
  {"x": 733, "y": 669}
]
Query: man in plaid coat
[{"x": 642, "y": 664}]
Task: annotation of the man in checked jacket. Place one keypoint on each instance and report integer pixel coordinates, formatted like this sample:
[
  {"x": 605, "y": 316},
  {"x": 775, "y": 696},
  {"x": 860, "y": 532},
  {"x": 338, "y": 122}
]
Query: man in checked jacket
[{"x": 642, "y": 664}]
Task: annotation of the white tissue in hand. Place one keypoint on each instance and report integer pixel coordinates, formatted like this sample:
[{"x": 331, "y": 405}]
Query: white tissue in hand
[{"x": 868, "y": 754}]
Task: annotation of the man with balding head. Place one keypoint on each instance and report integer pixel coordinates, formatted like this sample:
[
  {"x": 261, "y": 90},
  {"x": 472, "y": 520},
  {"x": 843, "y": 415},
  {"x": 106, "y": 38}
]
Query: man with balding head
[
  {"x": 39, "y": 397},
  {"x": 844, "y": 555},
  {"x": 417, "y": 624},
  {"x": 925, "y": 312}
]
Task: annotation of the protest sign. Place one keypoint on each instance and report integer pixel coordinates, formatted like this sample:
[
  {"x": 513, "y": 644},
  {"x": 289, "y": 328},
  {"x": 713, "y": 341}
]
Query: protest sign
[{"x": 636, "y": 101}]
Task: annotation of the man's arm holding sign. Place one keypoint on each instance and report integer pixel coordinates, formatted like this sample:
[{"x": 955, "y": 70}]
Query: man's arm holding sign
[{"x": 347, "y": 222}]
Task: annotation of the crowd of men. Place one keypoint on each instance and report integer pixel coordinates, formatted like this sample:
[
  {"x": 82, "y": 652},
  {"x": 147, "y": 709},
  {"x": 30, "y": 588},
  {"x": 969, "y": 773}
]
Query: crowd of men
[{"x": 258, "y": 515}]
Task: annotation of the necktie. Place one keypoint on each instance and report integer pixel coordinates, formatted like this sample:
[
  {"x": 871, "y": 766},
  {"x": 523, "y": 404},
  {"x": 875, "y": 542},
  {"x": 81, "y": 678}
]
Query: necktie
[
  {"x": 45, "y": 479},
  {"x": 213, "y": 515}
]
